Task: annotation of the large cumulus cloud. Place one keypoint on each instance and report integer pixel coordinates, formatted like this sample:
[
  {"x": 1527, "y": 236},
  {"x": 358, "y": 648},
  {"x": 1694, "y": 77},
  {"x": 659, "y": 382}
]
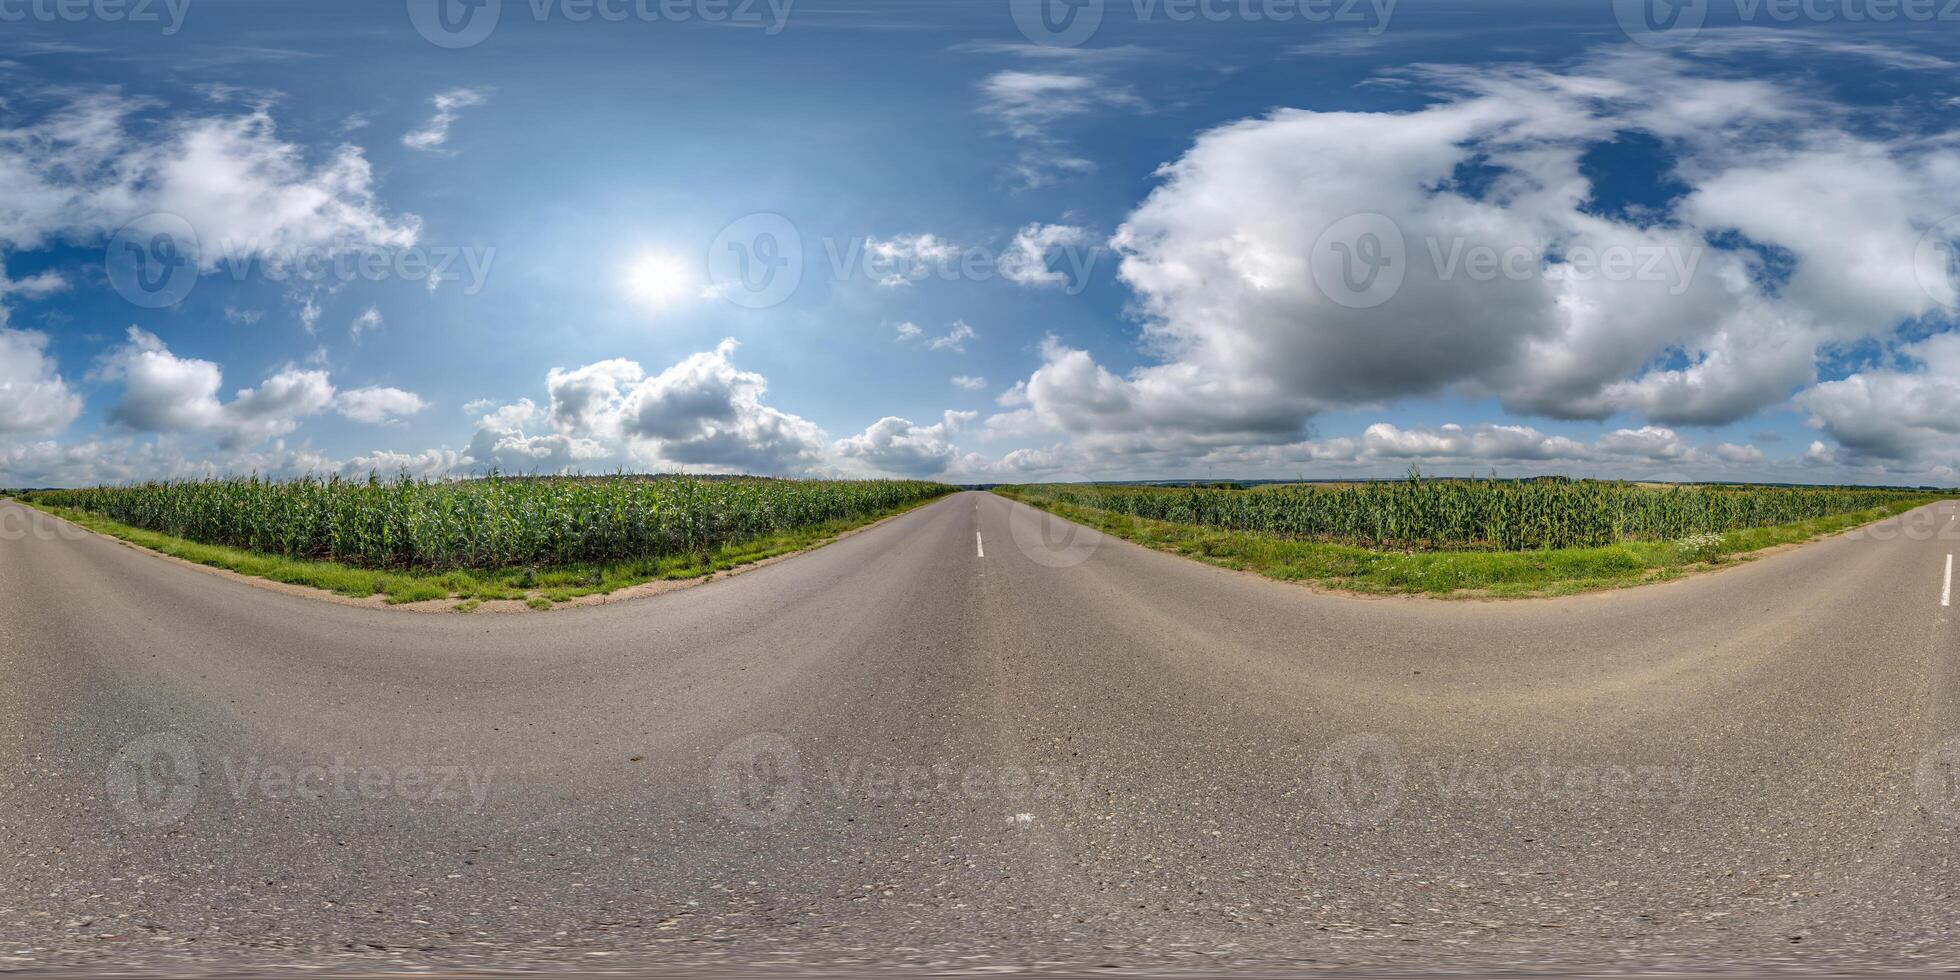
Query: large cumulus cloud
[{"x": 1795, "y": 231}]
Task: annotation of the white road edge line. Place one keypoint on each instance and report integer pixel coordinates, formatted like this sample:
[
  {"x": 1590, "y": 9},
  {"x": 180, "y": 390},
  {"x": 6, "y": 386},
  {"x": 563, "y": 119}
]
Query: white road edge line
[
  {"x": 1946, "y": 591},
  {"x": 980, "y": 550}
]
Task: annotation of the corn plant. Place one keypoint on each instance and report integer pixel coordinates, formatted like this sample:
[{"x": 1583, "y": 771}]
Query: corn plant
[
  {"x": 1500, "y": 515},
  {"x": 499, "y": 522}
]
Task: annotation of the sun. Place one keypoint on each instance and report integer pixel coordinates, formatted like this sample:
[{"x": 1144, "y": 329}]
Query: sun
[{"x": 657, "y": 280}]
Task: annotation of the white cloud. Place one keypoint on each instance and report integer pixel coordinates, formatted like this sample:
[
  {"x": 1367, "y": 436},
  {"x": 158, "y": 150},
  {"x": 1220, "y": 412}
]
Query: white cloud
[
  {"x": 431, "y": 136},
  {"x": 368, "y": 322},
  {"x": 705, "y": 412},
  {"x": 1894, "y": 414},
  {"x": 308, "y": 312},
  {"x": 589, "y": 399},
  {"x": 970, "y": 382},
  {"x": 101, "y": 161},
  {"x": 1730, "y": 452},
  {"x": 1486, "y": 443},
  {"x": 247, "y": 317},
  {"x": 124, "y": 460},
  {"x": 1030, "y": 106},
  {"x": 905, "y": 259},
  {"x": 378, "y": 406},
  {"x": 702, "y": 413},
  {"x": 1480, "y": 442},
  {"x": 1046, "y": 52},
  {"x": 955, "y": 337},
  {"x": 1700, "y": 330},
  {"x": 1027, "y": 103},
  {"x": 1646, "y": 442},
  {"x": 37, "y": 286},
  {"x": 164, "y": 393},
  {"x": 1808, "y": 44},
  {"x": 896, "y": 446},
  {"x": 513, "y": 438},
  {"x": 430, "y": 464},
  {"x": 33, "y": 396},
  {"x": 161, "y": 391},
  {"x": 1388, "y": 449},
  {"x": 1026, "y": 260}
]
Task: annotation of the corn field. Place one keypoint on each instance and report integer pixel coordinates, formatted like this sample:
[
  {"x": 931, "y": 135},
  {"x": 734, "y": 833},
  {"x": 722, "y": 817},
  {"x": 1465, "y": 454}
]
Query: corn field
[
  {"x": 490, "y": 523},
  {"x": 1474, "y": 514}
]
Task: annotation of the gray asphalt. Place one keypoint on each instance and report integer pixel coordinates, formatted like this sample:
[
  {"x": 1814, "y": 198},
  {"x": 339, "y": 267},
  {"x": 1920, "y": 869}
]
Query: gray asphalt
[{"x": 1069, "y": 754}]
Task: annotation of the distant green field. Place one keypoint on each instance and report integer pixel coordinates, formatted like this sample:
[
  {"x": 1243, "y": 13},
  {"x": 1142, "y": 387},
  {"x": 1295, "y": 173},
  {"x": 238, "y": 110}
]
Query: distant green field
[
  {"x": 1475, "y": 515},
  {"x": 1469, "y": 538},
  {"x": 495, "y": 523}
]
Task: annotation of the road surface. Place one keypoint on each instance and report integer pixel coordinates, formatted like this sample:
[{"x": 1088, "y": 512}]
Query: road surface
[{"x": 966, "y": 740}]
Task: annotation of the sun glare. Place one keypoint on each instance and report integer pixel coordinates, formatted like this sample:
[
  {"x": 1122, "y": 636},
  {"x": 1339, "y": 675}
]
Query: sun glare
[{"x": 657, "y": 280}]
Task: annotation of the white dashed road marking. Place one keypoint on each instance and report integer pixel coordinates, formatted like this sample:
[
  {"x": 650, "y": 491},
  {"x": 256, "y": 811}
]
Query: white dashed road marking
[{"x": 980, "y": 547}]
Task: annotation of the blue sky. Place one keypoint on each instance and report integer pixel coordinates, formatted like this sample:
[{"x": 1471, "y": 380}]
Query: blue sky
[{"x": 1718, "y": 251}]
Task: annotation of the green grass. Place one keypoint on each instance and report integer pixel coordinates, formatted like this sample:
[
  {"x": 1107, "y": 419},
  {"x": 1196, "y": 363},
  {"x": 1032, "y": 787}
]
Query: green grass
[
  {"x": 1455, "y": 574},
  {"x": 540, "y": 588}
]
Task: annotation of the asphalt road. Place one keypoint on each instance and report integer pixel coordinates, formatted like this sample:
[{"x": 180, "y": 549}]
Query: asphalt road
[{"x": 974, "y": 739}]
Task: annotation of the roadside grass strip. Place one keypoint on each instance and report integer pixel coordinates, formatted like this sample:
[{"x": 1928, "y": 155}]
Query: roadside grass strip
[{"x": 1463, "y": 574}]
